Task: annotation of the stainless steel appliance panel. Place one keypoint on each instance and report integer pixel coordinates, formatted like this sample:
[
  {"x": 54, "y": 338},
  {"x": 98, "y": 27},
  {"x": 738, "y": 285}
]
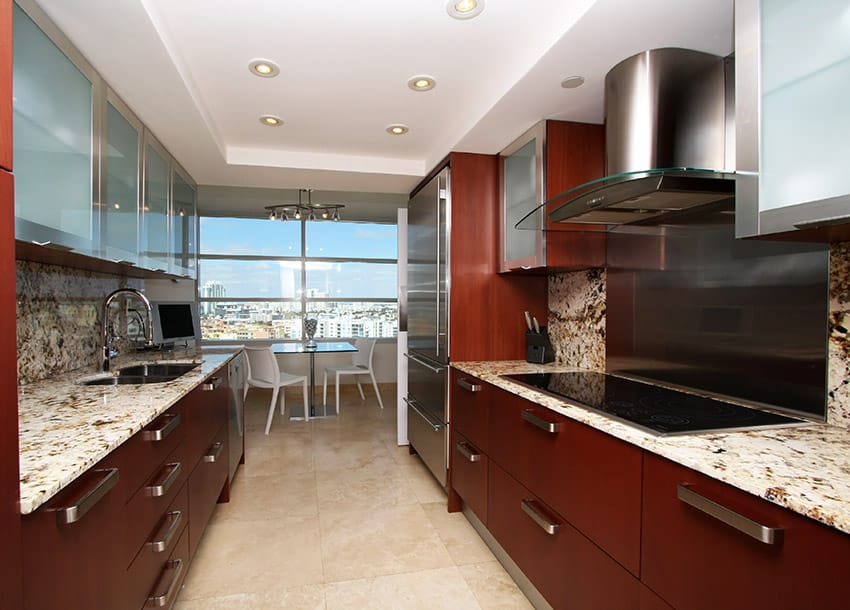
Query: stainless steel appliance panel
[
  {"x": 428, "y": 436},
  {"x": 427, "y": 311},
  {"x": 694, "y": 307},
  {"x": 427, "y": 382},
  {"x": 236, "y": 383}
]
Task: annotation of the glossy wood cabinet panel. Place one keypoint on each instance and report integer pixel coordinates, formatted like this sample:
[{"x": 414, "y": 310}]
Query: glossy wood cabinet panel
[
  {"x": 568, "y": 569},
  {"x": 206, "y": 484},
  {"x": 76, "y": 564},
  {"x": 6, "y": 84},
  {"x": 486, "y": 309},
  {"x": 695, "y": 561},
  {"x": 590, "y": 478},
  {"x": 469, "y": 474},
  {"x": 575, "y": 154},
  {"x": 206, "y": 412},
  {"x": 471, "y": 404},
  {"x": 10, "y": 518}
]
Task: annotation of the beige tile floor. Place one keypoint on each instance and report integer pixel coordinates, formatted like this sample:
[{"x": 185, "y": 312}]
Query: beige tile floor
[{"x": 333, "y": 515}]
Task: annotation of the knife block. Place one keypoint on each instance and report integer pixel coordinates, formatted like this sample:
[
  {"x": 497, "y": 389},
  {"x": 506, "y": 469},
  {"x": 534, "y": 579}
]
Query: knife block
[{"x": 539, "y": 348}]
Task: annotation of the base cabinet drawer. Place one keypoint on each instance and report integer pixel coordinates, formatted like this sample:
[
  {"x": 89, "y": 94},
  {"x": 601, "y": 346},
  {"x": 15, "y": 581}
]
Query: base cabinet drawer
[
  {"x": 568, "y": 569},
  {"x": 205, "y": 485},
  {"x": 707, "y": 545},
  {"x": 590, "y": 478},
  {"x": 161, "y": 541},
  {"x": 469, "y": 475}
]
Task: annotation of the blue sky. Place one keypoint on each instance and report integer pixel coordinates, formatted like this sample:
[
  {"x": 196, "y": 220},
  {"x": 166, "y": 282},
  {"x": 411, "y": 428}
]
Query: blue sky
[{"x": 275, "y": 279}]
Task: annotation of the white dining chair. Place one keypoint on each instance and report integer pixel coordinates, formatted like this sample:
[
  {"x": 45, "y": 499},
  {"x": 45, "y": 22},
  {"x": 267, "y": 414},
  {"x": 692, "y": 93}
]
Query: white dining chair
[
  {"x": 263, "y": 372},
  {"x": 361, "y": 364}
]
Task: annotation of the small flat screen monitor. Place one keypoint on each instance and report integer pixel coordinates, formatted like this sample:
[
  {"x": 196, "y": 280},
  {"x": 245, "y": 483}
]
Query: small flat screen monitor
[{"x": 175, "y": 321}]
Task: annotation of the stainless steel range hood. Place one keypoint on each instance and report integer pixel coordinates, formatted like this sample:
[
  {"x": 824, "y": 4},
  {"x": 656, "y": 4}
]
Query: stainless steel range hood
[{"x": 669, "y": 144}]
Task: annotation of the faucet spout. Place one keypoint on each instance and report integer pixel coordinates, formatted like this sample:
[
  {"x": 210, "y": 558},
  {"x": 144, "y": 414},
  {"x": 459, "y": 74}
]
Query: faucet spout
[{"x": 105, "y": 344}]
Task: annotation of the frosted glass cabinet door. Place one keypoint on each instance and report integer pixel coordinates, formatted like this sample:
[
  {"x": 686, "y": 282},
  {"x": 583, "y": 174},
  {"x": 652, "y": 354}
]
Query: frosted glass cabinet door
[
  {"x": 120, "y": 199},
  {"x": 155, "y": 211},
  {"x": 522, "y": 180},
  {"x": 53, "y": 142},
  {"x": 183, "y": 228},
  {"x": 792, "y": 120}
]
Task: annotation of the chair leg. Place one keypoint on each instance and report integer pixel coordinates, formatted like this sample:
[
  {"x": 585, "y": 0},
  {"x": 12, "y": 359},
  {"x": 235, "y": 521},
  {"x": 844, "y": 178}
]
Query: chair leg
[
  {"x": 359, "y": 387},
  {"x": 271, "y": 410},
  {"x": 282, "y": 399},
  {"x": 375, "y": 385},
  {"x": 306, "y": 402},
  {"x": 325, "y": 388},
  {"x": 336, "y": 391}
]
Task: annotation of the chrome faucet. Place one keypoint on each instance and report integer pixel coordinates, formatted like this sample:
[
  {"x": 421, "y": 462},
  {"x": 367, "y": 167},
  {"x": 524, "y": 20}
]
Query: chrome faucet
[{"x": 106, "y": 344}]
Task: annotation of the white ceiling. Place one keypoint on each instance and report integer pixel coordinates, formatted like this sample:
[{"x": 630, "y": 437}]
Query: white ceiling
[{"x": 181, "y": 65}]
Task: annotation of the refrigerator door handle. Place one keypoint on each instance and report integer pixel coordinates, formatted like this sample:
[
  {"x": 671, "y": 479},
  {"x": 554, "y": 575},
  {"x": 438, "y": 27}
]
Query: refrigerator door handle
[
  {"x": 425, "y": 363},
  {"x": 436, "y": 425}
]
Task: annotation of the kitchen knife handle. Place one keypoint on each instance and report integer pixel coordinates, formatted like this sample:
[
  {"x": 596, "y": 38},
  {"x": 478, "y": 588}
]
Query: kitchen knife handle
[
  {"x": 762, "y": 533},
  {"x": 469, "y": 387},
  {"x": 552, "y": 427},
  {"x": 528, "y": 320}
]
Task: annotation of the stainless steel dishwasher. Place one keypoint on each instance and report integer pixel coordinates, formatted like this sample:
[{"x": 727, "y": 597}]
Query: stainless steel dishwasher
[{"x": 236, "y": 421}]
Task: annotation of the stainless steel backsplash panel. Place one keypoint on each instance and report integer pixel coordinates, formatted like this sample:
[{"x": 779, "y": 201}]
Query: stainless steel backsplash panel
[{"x": 693, "y": 307}]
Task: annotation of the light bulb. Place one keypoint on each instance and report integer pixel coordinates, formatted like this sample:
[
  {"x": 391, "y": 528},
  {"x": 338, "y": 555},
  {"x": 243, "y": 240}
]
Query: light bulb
[
  {"x": 297, "y": 215},
  {"x": 325, "y": 214},
  {"x": 272, "y": 215}
]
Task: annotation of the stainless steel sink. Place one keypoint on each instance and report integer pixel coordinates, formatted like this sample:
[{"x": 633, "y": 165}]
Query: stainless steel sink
[
  {"x": 143, "y": 373},
  {"x": 169, "y": 369}
]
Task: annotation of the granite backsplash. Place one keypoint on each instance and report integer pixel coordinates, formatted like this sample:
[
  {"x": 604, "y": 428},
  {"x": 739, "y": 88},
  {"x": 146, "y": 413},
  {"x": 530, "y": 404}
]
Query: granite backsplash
[
  {"x": 577, "y": 308},
  {"x": 59, "y": 318}
]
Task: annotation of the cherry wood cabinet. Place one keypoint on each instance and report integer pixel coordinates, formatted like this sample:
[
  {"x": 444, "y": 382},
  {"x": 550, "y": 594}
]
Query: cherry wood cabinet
[
  {"x": 6, "y": 84},
  {"x": 485, "y": 309},
  {"x": 694, "y": 560},
  {"x": 140, "y": 511},
  {"x": 575, "y": 154},
  {"x": 567, "y": 568},
  {"x": 471, "y": 402},
  {"x": 589, "y": 477},
  {"x": 10, "y": 518}
]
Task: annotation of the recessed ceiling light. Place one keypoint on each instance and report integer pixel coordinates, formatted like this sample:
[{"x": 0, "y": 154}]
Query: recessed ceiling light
[
  {"x": 464, "y": 9},
  {"x": 264, "y": 68},
  {"x": 397, "y": 129},
  {"x": 422, "y": 82},
  {"x": 269, "y": 120},
  {"x": 572, "y": 82}
]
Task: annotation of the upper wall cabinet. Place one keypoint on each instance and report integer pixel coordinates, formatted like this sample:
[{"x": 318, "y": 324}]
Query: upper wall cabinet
[
  {"x": 792, "y": 123},
  {"x": 184, "y": 226},
  {"x": 54, "y": 138},
  {"x": 549, "y": 158},
  {"x": 94, "y": 188},
  {"x": 120, "y": 162}
]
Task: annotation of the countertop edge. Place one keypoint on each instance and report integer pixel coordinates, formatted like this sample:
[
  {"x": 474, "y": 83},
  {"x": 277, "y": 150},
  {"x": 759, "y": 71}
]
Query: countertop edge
[{"x": 777, "y": 465}]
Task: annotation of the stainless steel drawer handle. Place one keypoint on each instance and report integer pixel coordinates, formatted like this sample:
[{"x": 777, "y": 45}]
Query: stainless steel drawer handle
[
  {"x": 214, "y": 452},
  {"x": 467, "y": 451},
  {"x": 155, "y": 491},
  {"x": 530, "y": 508},
  {"x": 434, "y": 368},
  {"x": 171, "y": 523},
  {"x": 762, "y": 533},
  {"x": 161, "y": 433},
  {"x": 552, "y": 427},
  {"x": 175, "y": 566},
  {"x": 436, "y": 425},
  {"x": 212, "y": 384},
  {"x": 72, "y": 514},
  {"x": 470, "y": 387}
]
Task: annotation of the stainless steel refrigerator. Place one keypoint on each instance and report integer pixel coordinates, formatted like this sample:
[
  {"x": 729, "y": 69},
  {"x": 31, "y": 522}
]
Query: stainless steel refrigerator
[{"x": 428, "y": 324}]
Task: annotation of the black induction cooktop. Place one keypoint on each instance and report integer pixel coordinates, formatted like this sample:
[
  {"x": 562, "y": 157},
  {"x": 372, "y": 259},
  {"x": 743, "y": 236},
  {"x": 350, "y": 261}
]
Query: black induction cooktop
[{"x": 653, "y": 408}]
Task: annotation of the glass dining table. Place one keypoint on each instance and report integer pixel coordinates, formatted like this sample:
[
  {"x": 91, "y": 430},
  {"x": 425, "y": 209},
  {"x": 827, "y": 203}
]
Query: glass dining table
[{"x": 320, "y": 348}]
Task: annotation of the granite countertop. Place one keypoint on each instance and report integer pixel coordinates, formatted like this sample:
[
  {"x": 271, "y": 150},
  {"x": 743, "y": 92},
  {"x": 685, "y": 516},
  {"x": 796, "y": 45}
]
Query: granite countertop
[
  {"x": 65, "y": 428},
  {"x": 805, "y": 469}
]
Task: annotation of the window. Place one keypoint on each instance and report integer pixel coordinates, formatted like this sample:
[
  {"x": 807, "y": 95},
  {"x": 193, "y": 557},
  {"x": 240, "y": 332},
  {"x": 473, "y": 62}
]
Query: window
[{"x": 258, "y": 279}]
